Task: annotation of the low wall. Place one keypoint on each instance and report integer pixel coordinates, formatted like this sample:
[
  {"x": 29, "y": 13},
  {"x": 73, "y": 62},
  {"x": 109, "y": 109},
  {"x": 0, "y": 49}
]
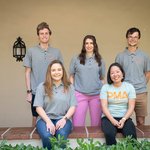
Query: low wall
[{"x": 29, "y": 135}]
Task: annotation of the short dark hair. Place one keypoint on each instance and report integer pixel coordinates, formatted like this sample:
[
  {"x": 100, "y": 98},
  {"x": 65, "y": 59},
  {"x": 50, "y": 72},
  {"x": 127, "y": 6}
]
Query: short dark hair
[
  {"x": 43, "y": 25},
  {"x": 109, "y": 81},
  {"x": 132, "y": 30}
]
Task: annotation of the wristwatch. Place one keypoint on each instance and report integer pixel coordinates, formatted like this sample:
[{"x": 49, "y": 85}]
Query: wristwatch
[
  {"x": 29, "y": 91},
  {"x": 65, "y": 118}
]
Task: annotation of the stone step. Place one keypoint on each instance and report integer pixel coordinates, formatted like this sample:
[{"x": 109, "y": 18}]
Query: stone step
[{"x": 28, "y": 133}]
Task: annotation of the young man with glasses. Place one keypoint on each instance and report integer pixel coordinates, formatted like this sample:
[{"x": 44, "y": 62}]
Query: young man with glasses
[{"x": 136, "y": 64}]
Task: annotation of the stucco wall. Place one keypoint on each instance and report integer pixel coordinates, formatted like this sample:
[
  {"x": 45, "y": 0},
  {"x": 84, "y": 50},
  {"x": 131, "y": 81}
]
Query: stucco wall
[{"x": 70, "y": 21}]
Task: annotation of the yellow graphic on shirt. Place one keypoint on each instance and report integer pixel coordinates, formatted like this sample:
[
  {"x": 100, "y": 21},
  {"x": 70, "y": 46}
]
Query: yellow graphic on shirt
[{"x": 117, "y": 95}]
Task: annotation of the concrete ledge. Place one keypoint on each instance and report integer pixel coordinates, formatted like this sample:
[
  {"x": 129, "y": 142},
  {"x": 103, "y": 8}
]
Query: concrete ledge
[{"x": 30, "y": 133}]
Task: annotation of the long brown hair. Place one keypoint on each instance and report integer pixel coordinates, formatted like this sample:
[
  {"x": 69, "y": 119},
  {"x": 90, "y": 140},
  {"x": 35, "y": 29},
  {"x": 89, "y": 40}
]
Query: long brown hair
[
  {"x": 82, "y": 55},
  {"x": 48, "y": 84}
]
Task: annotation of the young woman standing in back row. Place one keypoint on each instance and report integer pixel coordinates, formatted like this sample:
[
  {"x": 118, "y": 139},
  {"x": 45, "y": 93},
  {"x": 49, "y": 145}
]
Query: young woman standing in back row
[{"x": 87, "y": 72}]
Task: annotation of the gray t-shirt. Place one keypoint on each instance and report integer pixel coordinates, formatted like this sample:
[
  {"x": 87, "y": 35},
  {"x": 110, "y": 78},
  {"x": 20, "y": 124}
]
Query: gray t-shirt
[
  {"x": 38, "y": 60},
  {"x": 135, "y": 65},
  {"x": 87, "y": 77},
  {"x": 59, "y": 104}
]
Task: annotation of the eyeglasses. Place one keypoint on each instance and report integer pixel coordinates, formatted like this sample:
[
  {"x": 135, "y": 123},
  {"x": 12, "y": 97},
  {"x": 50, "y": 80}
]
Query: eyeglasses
[{"x": 133, "y": 37}]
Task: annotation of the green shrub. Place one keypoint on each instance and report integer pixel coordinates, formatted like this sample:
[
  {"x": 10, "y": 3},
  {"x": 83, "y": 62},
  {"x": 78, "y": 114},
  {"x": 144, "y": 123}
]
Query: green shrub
[
  {"x": 60, "y": 143},
  {"x": 123, "y": 144},
  {"x": 5, "y": 146},
  {"x": 88, "y": 144}
]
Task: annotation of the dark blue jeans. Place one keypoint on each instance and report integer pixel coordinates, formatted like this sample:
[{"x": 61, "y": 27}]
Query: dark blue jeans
[
  {"x": 45, "y": 135},
  {"x": 110, "y": 130}
]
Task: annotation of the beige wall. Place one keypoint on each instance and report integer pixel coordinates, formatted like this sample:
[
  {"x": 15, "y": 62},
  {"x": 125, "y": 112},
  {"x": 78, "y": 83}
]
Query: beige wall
[{"x": 70, "y": 21}]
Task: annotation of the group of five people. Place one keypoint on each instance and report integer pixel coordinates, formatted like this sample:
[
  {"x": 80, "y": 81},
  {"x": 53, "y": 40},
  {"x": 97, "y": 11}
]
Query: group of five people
[{"x": 58, "y": 103}]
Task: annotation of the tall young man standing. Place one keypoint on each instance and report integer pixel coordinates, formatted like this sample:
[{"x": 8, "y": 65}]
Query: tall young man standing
[
  {"x": 137, "y": 71},
  {"x": 36, "y": 62}
]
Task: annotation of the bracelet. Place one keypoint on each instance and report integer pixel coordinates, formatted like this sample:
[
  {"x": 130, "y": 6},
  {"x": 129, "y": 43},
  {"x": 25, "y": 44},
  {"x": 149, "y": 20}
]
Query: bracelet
[
  {"x": 29, "y": 91},
  {"x": 123, "y": 118}
]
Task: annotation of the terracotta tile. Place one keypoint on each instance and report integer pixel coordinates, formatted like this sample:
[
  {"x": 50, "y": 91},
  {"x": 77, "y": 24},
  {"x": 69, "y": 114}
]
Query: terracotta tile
[
  {"x": 2, "y": 131},
  {"x": 35, "y": 135},
  {"x": 24, "y": 133},
  {"x": 145, "y": 130},
  {"x": 18, "y": 133},
  {"x": 139, "y": 133},
  {"x": 78, "y": 132},
  {"x": 95, "y": 132},
  {"x": 119, "y": 135}
]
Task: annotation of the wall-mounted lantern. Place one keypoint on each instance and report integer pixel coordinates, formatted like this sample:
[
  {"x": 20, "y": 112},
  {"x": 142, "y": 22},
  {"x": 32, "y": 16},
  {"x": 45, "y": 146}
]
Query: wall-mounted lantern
[{"x": 19, "y": 49}]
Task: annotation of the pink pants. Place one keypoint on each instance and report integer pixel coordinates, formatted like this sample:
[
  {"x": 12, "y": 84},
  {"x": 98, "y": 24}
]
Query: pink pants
[{"x": 85, "y": 101}]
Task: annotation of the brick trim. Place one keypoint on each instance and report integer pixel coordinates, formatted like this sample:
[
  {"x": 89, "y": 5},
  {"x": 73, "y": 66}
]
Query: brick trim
[{"x": 28, "y": 133}]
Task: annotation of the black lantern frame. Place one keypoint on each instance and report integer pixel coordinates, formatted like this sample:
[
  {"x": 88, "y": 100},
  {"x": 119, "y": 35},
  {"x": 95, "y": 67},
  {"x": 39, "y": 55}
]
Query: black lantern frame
[{"x": 19, "y": 49}]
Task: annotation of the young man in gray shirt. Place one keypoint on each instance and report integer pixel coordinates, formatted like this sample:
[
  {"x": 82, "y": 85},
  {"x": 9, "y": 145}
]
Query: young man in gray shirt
[
  {"x": 36, "y": 62},
  {"x": 137, "y": 71}
]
